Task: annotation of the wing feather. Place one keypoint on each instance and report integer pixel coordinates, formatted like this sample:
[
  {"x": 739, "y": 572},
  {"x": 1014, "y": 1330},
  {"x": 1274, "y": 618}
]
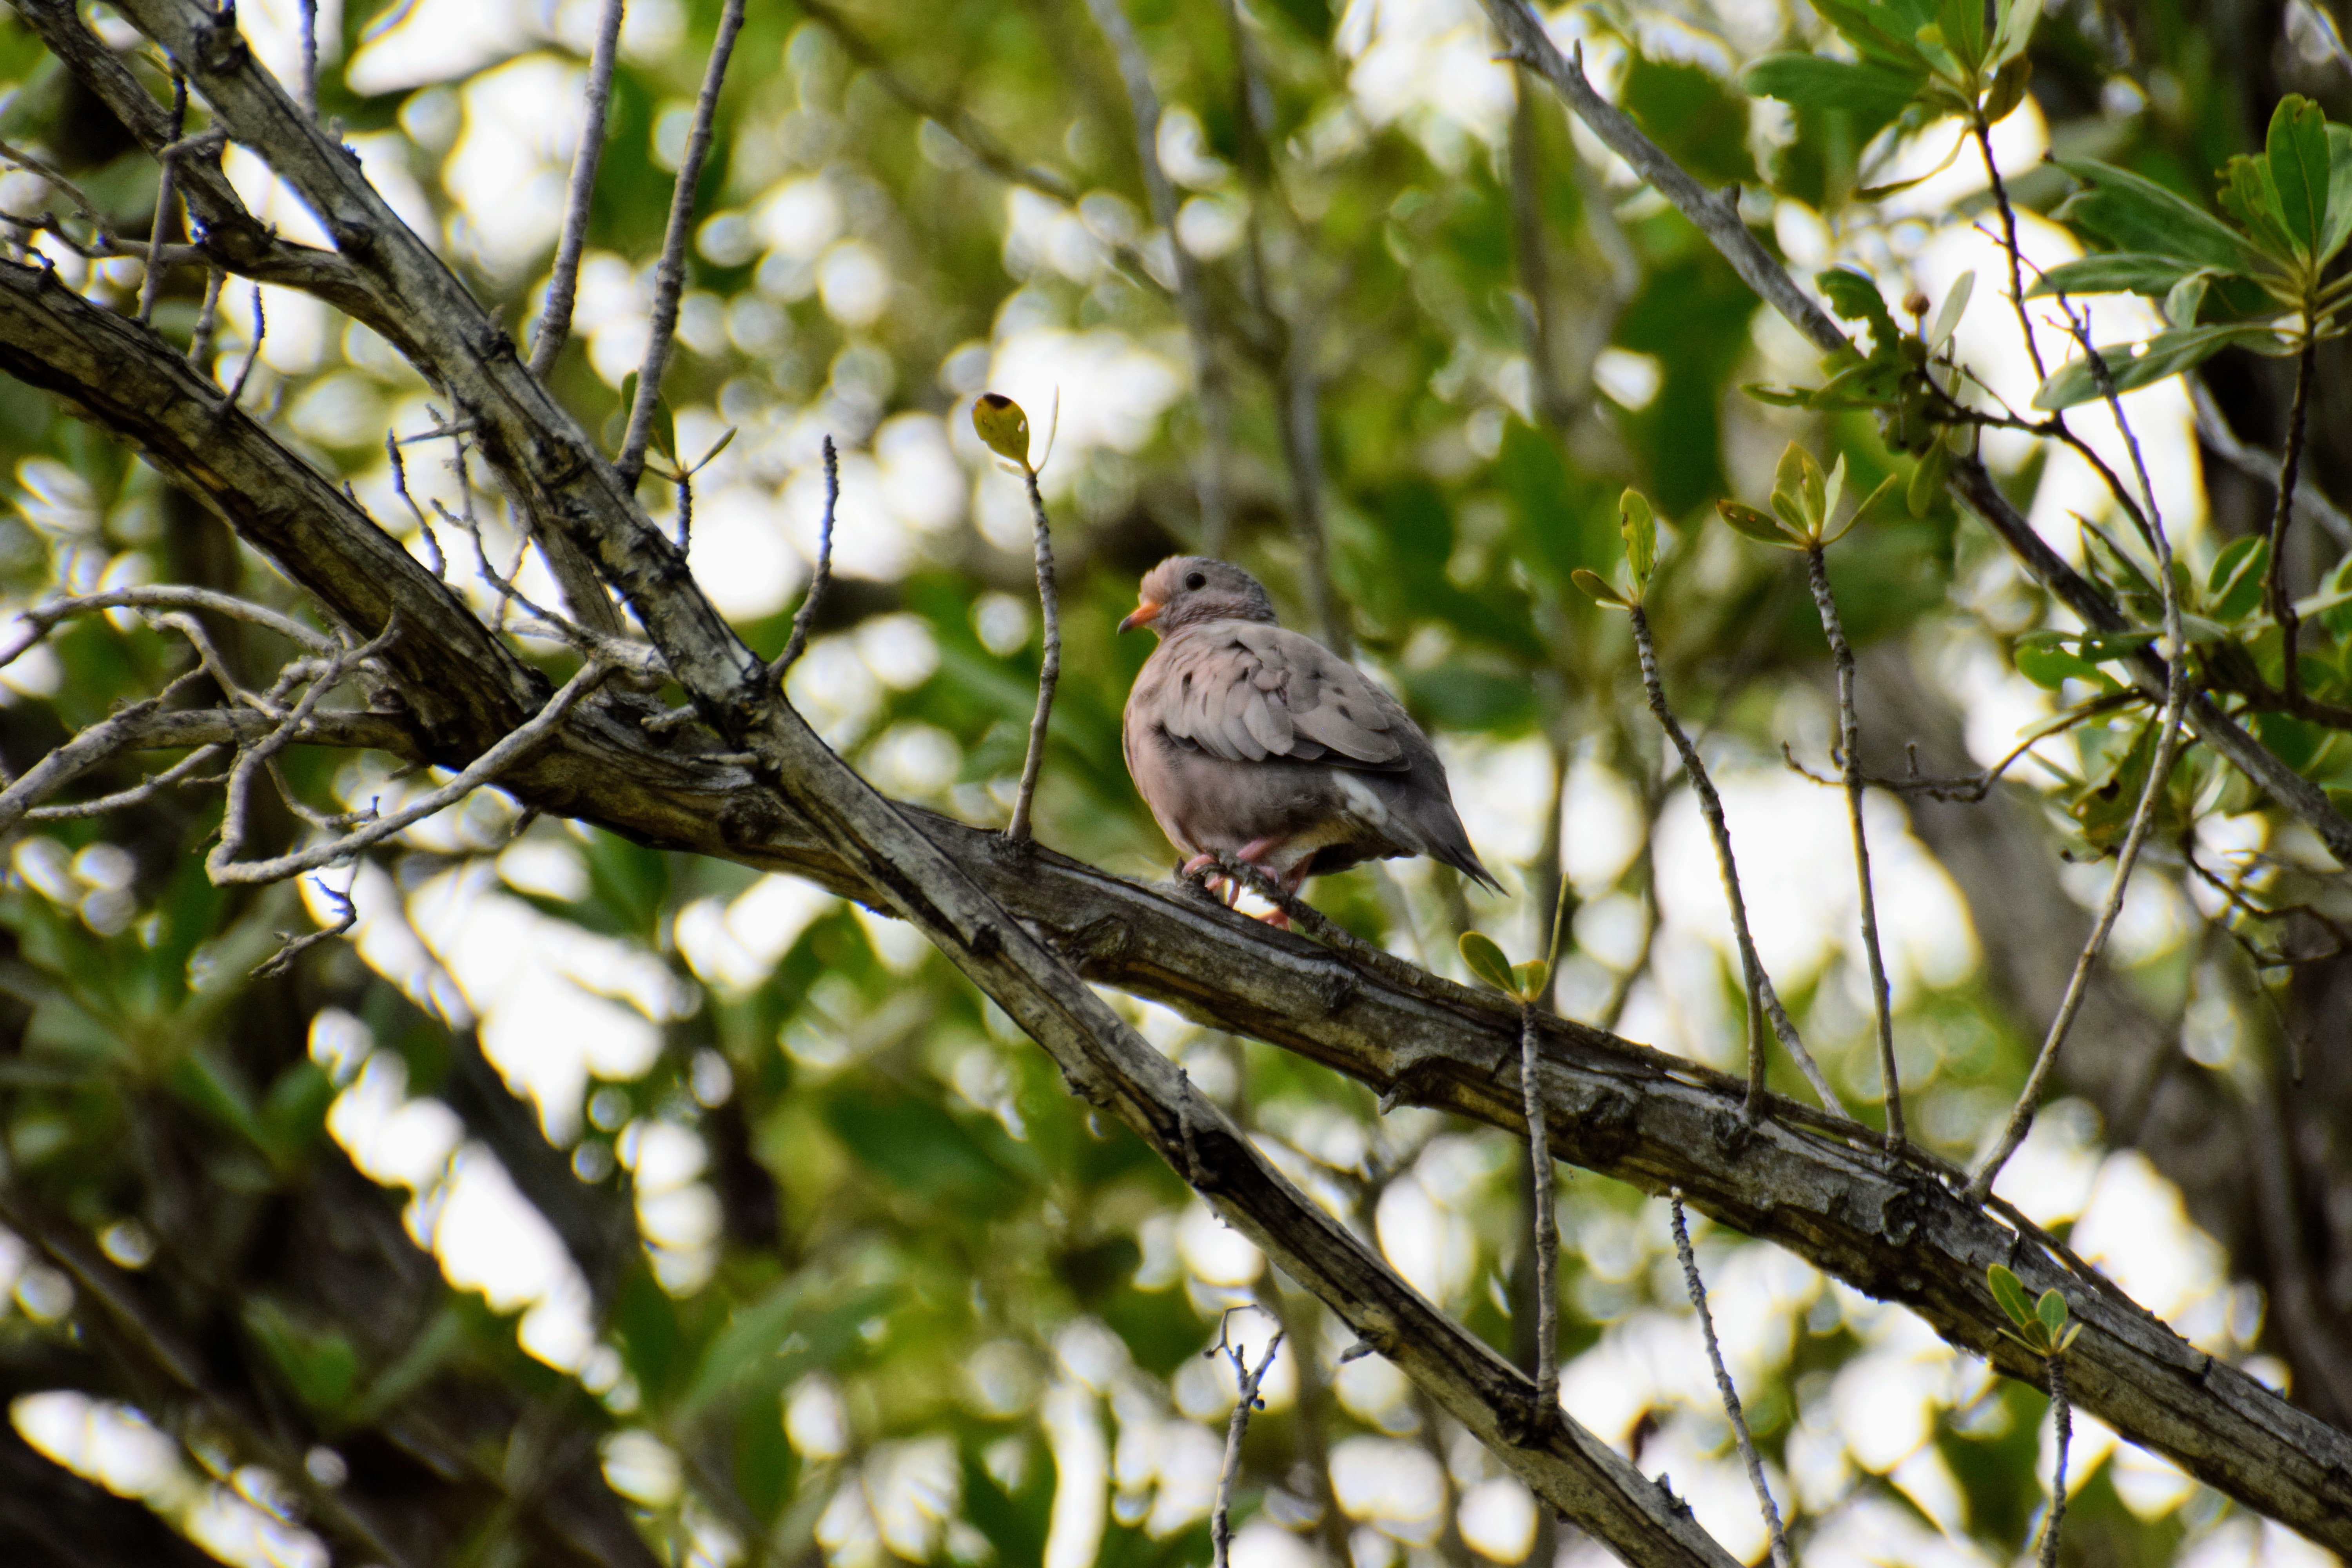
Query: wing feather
[{"x": 1246, "y": 691}]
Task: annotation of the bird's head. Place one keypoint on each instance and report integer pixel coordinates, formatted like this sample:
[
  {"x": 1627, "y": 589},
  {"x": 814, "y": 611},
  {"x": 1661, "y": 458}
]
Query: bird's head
[{"x": 1185, "y": 590}]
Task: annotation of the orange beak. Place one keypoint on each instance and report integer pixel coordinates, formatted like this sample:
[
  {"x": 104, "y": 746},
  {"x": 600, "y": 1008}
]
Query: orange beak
[{"x": 1144, "y": 614}]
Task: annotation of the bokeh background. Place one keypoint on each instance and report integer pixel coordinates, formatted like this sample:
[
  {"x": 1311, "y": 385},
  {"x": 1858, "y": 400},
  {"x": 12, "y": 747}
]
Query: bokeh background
[{"x": 745, "y": 1183}]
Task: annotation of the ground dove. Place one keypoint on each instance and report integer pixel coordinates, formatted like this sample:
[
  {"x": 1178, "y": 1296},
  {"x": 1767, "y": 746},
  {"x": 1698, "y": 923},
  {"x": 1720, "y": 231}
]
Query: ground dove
[{"x": 1263, "y": 743}]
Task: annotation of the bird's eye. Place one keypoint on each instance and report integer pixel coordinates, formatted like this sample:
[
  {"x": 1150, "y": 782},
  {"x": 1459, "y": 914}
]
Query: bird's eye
[{"x": 1196, "y": 578}]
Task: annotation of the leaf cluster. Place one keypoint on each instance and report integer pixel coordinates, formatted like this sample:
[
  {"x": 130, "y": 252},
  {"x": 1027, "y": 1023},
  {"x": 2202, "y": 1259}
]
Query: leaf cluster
[
  {"x": 2042, "y": 1325},
  {"x": 2291, "y": 213}
]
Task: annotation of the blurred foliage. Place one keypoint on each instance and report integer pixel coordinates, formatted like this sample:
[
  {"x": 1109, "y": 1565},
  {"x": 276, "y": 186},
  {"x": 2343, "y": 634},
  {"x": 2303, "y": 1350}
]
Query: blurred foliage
[{"x": 889, "y": 1273}]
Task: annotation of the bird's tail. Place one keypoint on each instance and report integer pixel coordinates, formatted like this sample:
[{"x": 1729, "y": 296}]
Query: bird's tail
[{"x": 1464, "y": 860}]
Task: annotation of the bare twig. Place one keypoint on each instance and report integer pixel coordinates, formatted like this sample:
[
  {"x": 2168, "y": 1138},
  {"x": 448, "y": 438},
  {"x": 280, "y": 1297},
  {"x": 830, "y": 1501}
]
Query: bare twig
[
  {"x": 347, "y": 915},
  {"x": 1781, "y": 1557},
  {"x": 225, "y": 870},
  {"x": 1544, "y": 1406},
  {"x": 438, "y": 561},
  {"x": 152, "y": 285},
  {"x": 2062, "y": 1416},
  {"x": 1526, "y": 42},
  {"x": 1968, "y": 791},
  {"x": 252, "y": 352},
  {"x": 805, "y": 616},
  {"x": 1850, "y": 745},
  {"x": 41, "y": 619},
  {"x": 1247, "y": 1381},
  {"x": 106, "y": 238},
  {"x": 1191, "y": 297},
  {"x": 1049, "y": 669},
  {"x": 670, "y": 276},
  {"x": 200, "y": 341},
  {"x": 1762, "y": 1000},
  {"x": 2275, "y": 587},
  {"x": 2167, "y": 741},
  {"x": 1982, "y": 131},
  {"x": 84, "y": 751},
  {"x": 563, "y": 286},
  {"x": 148, "y": 789}
]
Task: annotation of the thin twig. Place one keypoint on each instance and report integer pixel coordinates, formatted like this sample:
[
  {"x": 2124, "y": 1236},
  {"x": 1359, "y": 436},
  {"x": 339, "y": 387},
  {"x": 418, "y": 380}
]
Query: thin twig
[
  {"x": 1781, "y": 1557},
  {"x": 347, "y": 915},
  {"x": 438, "y": 561},
  {"x": 200, "y": 341},
  {"x": 41, "y": 619},
  {"x": 1526, "y": 42},
  {"x": 564, "y": 288},
  {"x": 2282, "y": 603},
  {"x": 252, "y": 354},
  {"x": 1982, "y": 131},
  {"x": 670, "y": 276},
  {"x": 805, "y": 616},
  {"x": 2175, "y": 697},
  {"x": 1220, "y": 1534},
  {"x": 1545, "y": 1406},
  {"x": 1968, "y": 791},
  {"x": 152, "y": 285},
  {"x": 151, "y": 785},
  {"x": 1049, "y": 669},
  {"x": 1850, "y": 745},
  {"x": 84, "y": 751},
  {"x": 1191, "y": 297},
  {"x": 1762, "y": 1000},
  {"x": 485, "y": 769},
  {"x": 2061, "y": 1415}
]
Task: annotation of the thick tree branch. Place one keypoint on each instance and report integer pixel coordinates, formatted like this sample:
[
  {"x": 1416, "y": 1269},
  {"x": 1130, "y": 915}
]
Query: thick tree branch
[{"x": 233, "y": 236}]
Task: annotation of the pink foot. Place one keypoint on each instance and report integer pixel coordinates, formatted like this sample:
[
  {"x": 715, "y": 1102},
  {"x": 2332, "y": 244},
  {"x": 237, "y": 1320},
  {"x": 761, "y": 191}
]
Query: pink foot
[{"x": 1277, "y": 919}]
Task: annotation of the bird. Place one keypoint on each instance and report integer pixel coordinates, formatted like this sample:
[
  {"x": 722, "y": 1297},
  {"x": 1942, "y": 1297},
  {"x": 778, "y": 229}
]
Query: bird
[{"x": 1260, "y": 742}]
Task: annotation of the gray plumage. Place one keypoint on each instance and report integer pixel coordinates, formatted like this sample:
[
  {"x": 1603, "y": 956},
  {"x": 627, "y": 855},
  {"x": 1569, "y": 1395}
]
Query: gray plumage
[{"x": 1262, "y": 743}]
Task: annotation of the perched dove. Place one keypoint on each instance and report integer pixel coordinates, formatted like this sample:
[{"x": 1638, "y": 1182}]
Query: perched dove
[{"x": 1262, "y": 743}]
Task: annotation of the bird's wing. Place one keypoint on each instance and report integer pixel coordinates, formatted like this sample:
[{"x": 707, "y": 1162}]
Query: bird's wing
[{"x": 1247, "y": 691}]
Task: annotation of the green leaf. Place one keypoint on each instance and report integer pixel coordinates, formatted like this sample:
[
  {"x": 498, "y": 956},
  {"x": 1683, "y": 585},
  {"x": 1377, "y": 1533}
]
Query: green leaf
[
  {"x": 1956, "y": 304},
  {"x": 2235, "y": 587},
  {"x": 2009, "y": 85},
  {"x": 1799, "y": 497},
  {"x": 2117, "y": 272},
  {"x": 1639, "y": 524},
  {"x": 2104, "y": 647},
  {"x": 1812, "y": 81},
  {"x": 2134, "y": 212},
  {"x": 1486, "y": 962},
  {"x": 2249, "y": 195},
  {"x": 1528, "y": 979},
  {"x": 2010, "y": 1294},
  {"x": 2044, "y": 659},
  {"x": 1001, "y": 424},
  {"x": 2296, "y": 149},
  {"x": 2133, "y": 366},
  {"x": 1747, "y": 522},
  {"x": 2340, "y": 192},
  {"x": 1961, "y": 24},
  {"x": 1856, "y": 298},
  {"x": 2185, "y": 298},
  {"x": 1597, "y": 587},
  {"x": 1927, "y": 479},
  {"x": 2051, "y": 1312},
  {"x": 1859, "y": 22},
  {"x": 2338, "y": 621},
  {"x": 2015, "y": 29}
]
